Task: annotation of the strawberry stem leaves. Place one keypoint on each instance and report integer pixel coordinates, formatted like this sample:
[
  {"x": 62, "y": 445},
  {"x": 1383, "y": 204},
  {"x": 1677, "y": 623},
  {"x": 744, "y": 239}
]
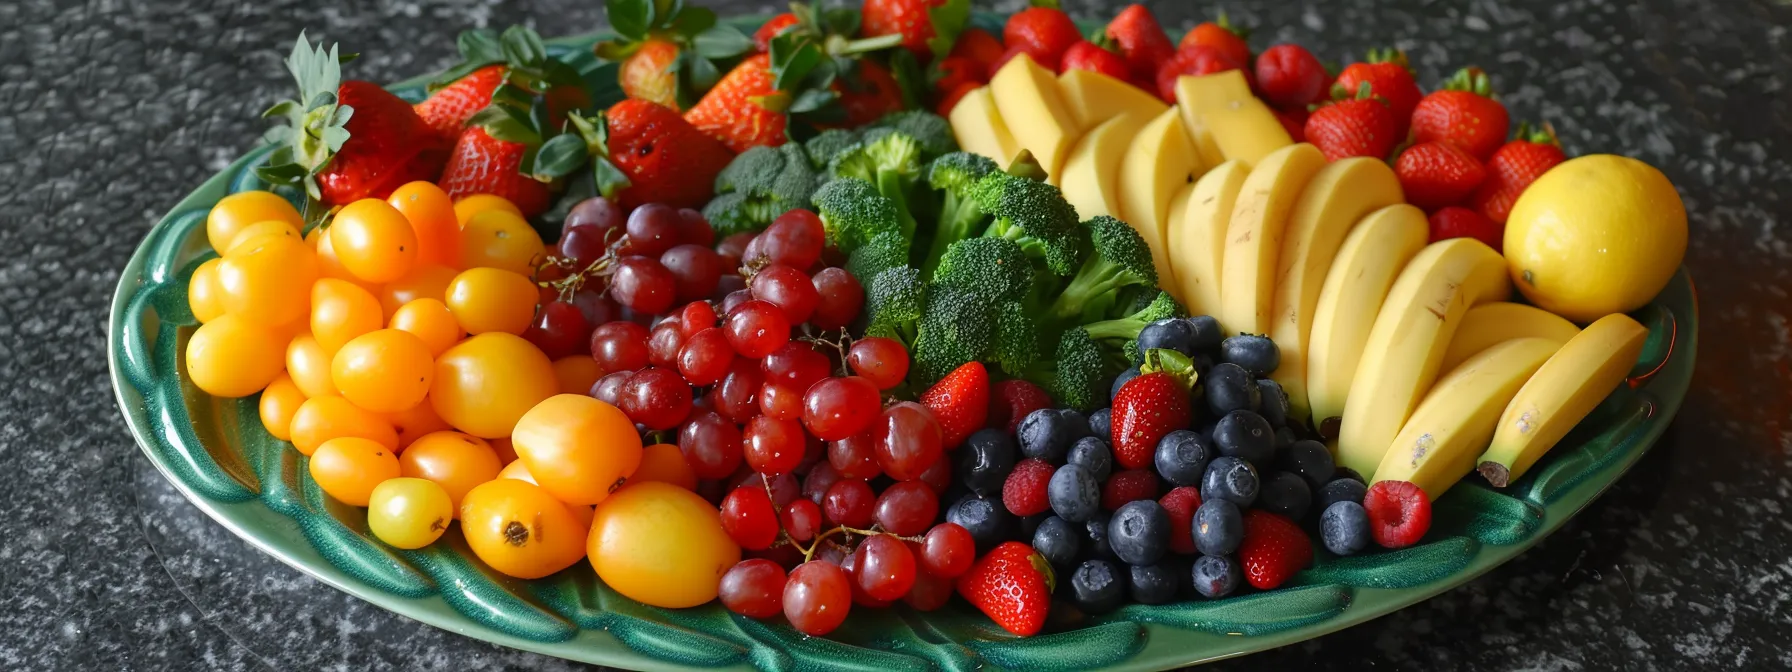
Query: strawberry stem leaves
[{"x": 316, "y": 127}]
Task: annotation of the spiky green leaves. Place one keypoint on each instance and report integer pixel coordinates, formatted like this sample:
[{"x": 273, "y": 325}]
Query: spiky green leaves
[{"x": 316, "y": 123}]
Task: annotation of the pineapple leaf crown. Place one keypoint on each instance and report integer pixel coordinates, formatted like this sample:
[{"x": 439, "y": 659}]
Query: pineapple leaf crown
[{"x": 316, "y": 122}]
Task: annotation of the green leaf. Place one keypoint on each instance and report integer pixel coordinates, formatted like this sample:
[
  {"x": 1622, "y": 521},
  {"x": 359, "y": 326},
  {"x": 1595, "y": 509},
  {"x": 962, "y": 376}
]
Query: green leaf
[
  {"x": 693, "y": 21},
  {"x": 722, "y": 41},
  {"x": 699, "y": 75},
  {"x": 510, "y": 95},
  {"x": 281, "y": 109},
  {"x": 334, "y": 137},
  {"x": 615, "y": 50},
  {"x": 1048, "y": 4},
  {"x": 523, "y": 46},
  {"x": 630, "y": 18},
  {"x": 506, "y": 123},
  {"x": 793, "y": 58},
  {"x": 479, "y": 46},
  {"x": 811, "y": 100},
  {"x": 341, "y": 115},
  {"x": 560, "y": 156},
  {"x": 278, "y": 135},
  {"x": 949, "y": 20},
  {"x": 286, "y": 173},
  {"x": 841, "y": 20},
  {"x": 910, "y": 80},
  {"x": 608, "y": 178}
]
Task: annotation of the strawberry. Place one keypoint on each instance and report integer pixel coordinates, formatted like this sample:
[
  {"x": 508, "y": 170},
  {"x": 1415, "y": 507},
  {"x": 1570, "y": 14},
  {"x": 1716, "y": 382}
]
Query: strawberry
[
  {"x": 665, "y": 159},
  {"x": 447, "y": 110},
  {"x": 659, "y": 55},
  {"x": 1013, "y": 585},
  {"x": 928, "y": 27},
  {"x": 481, "y": 164},
  {"x": 762, "y": 38},
  {"x": 1436, "y": 174},
  {"x": 870, "y": 95},
  {"x": 1513, "y": 168},
  {"x": 1141, "y": 40},
  {"x": 1024, "y": 493},
  {"x": 650, "y": 74},
  {"x": 953, "y": 71},
  {"x": 1360, "y": 126},
  {"x": 1274, "y": 549},
  {"x": 486, "y": 64},
  {"x": 1399, "y": 513},
  {"x": 1087, "y": 56},
  {"x": 979, "y": 46},
  {"x": 1294, "y": 121},
  {"x": 1197, "y": 59},
  {"x": 1180, "y": 504},
  {"x": 1043, "y": 33},
  {"x": 1389, "y": 78},
  {"x": 1012, "y": 400},
  {"x": 745, "y": 109},
  {"x": 1220, "y": 34},
  {"x": 960, "y": 402},
  {"x": 1460, "y": 222},
  {"x": 1127, "y": 486},
  {"x": 950, "y": 99},
  {"x": 1290, "y": 77},
  {"x": 1464, "y": 114},
  {"x": 1151, "y": 405}
]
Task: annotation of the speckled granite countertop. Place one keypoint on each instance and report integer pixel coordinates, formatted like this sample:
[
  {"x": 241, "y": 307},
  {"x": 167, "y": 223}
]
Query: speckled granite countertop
[{"x": 110, "y": 111}]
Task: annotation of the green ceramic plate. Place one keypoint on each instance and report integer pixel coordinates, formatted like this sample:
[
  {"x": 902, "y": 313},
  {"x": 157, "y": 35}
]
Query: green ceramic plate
[{"x": 216, "y": 452}]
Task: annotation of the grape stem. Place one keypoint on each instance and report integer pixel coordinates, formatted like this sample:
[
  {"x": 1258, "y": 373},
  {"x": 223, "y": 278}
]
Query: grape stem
[
  {"x": 575, "y": 280},
  {"x": 815, "y": 544}
]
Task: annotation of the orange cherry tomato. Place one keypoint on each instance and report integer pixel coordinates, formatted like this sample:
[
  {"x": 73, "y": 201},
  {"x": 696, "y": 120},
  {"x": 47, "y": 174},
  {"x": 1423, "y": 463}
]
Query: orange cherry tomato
[
  {"x": 234, "y": 357},
  {"x": 268, "y": 279},
  {"x": 425, "y": 281},
  {"x": 320, "y": 419},
  {"x": 309, "y": 366},
  {"x": 373, "y": 240},
  {"x": 340, "y": 311},
  {"x": 577, "y": 373},
  {"x": 237, "y": 211},
  {"x": 467, "y": 206},
  {"x": 500, "y": 239},
  {"x": 505, "y": 450},
  {"x": 519, "y": 471},
  {"x": 660, "y": 544},
  {"x": 664, "y": 463},
  {"x": 485, "y": 383},
  {"x": 520, "y": 530},
  {"x": 416, "y": 422},
  {"x": 279, "y": 402},
  {"x": 270, "y": 228},
  {"x": 580, "y": 449},
  {"x": 204, "y": 297},
  {"x": 488, "y": 300},
  {"x": 431, "y": 214},
  {"x": 349, "y": 468},
  {"x": 431, "y": 321},
  {"x": 453, "y": 460},
  {"x": 384, "y": 371},
  {"x": 329, "y": 266},
  {"x": 409, "y": 512}
]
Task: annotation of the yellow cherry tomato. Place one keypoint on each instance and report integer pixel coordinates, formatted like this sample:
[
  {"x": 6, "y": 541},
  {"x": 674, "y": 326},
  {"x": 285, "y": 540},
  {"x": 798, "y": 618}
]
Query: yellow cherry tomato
[
  {"x": 309, "y": 365},
  {"x": 349, "y": 467},
  {"x": 577, "y": 373},
  {"x": 660, "y": 544},
  {"x": 519, "y": 471},
  {"x": 273, "y": 227},
  {"x": 466, "y": 207},
  {"x": 279, "y": 402},
  {"x": 485, "y": 383},
  {"x": 320, "y": 419},
  {"x": 488, "y": 300},
  {"x": 431, "y": 321},
  {"x": 236, "y": 212},
  {"x": 328, "y": 266},
  {"x": 506, "y": 451},
  {"x": 425, "y": 281},
  {"x": 268, "y": 279},
  {"x": 384, "y": 371},
  {"x": 520, "y": 530},
  {"x": 373, "y": 240},
  {"x": 234, "y": 357},
  {"x": 340, "y": 311},
  {"x": 453, "y": 460},
  {"x": 431, "y": 214},
  {"x": 580, "y": 449},
  {"x": 416, "y": 422},
  {"x": 500, "y": 239},
  {"x": 204, "y": 296},
  {"x": 664, "y": 463},
  {"x": 408, "y": 513}
]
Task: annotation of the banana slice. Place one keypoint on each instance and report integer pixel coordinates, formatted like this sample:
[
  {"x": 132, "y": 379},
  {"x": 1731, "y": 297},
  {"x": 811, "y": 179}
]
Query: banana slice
[
  {"x": 1159, "y": 163},
  {"x": 1091, "y": 176},
  {"x": 1439, "y": 443},
  {"x": 1254, "y": 236},
  {"x": 1407, "y": 343},
  {"x": 1491, "y": 323},
  {"x": 1338, "y": 197},
  {"x": 1564, "y": 391},
  {"x": 1354, "y": 289},
  {"x": 1197, "y": 235}
]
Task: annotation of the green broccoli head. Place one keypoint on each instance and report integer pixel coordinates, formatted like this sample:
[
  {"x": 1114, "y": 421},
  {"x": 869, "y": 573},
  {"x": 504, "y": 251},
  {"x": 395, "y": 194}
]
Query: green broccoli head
[
  {"x": 958, "y": 172},
  {"x": 931, "y": 130},
  {"x": 892, "y": 163},
  {"x": 1084, "y": 371},
  {"x": 1017, "y": 338},
  {"x": 757, "y": 186},
  {"x": 886, "y": 251},
  {"x": 853, "y": 213},
  {"x": 1035, "y": 215},
  {"x": 1121, "y": 261},
  {"x": 957, "y": 326},
  {"x": 994, "y": 268},
  {"x": 822, "y": 148},
  {"x": 893, "y": 303}
]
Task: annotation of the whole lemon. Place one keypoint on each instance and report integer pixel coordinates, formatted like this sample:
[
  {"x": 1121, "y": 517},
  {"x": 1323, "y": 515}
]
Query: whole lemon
[{"x": 1596, "y": 235}]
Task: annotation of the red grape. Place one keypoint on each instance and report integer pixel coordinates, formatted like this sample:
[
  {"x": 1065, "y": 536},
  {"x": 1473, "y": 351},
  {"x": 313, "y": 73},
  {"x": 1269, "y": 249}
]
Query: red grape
[
  {"x": 885, "y": 567},
  {"x": 796, "y": 364},
  {"x": 772, "y": 446},
  {"x": 657, "y": 398},
  {"x": 850, "y": 564},
  {"x": 595, "y": 211},
  {"x": 696, "y": 316},
  {"x": 817, "y": 482},
  {"x": 908, "y": 441},
  {"x": 817, "y": 597},
  {"x": 559, "y": 329},
  {"x": 734, "y": 299},
  {"x": 737, "y": 397},
  {"x": 834, "y": 554},
  {"x": 695, "y": 270},
  {"x": 757, "y": 328},
  {"x": 749, "y": 519},
  {"x": 948, "y": 550},
  {"x": 652, "y": 229},
  {"x": 785, "y": 489},
  {"x": 787, "y": 288},
  {"x": 619, "y": 346},
  {"x": 663, "y": 344},
  {"x": 705, "y": 358},
  {"x": 815, "y": 451},
  {"x": 839, "y": 297},
  {"x": 837, "y": 408},
  {"x": 608, "y": 389},
  {"x": 802, "y": 520},
  {"x": 641, "y": 284},
  {"x": 780, "y": 401},
  {"x": 711, "y": 445},
  {"x": 938, "y": 476},
  {"x": 732, "y": 248},
  {"x": 694, "y": 229},
  {"x": 702, "y": 404},
  {"x": 753, "y": 255},
  {"x": 929, "y": 592},
  {"x": 583, "y": 244},
  {"x": 596, "y": 307},
  {"x": 754, "y": 587},
  {"x": 855, "y": 456},
  {"x": 849, "y": 502},
  {"x": 907, "y": 508},
  {"x": 794, "y": 239},
  {"x": 883, "y": 361}
]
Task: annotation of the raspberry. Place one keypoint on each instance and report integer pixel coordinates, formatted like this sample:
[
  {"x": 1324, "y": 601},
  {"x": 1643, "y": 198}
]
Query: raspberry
[
  {"x": 1181, "y": 503},
  {"x": 1024, "y": 493},
  {"x": 1399, "y": 513},
  {"x": 1128, "y": 486},
  {"x": 1012, "y": 400}
]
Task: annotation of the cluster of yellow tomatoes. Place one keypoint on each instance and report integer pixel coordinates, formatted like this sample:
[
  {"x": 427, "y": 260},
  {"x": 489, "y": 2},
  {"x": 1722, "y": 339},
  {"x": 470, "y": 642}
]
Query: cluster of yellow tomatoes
[{"x": 386, "y": 348}]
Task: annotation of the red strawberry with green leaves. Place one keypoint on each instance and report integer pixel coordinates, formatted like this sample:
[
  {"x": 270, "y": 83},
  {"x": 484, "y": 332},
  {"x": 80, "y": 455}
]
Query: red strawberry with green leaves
[
  {"x": 448, "y": 108},
  {"x": 669, "y": 53},
  {"x": 1150, "y": 406},
  {"x": 663, "y": 158},
  {"x": 488, "y": 60},
  {"x": 979, "y": 46},
  {"x": 345, "y": 141},
  {"x": 484, "y": 164},
  {"x": 1516, "y": 164},
  {"x": 1435, "y": 174},
  {"x": 960, "y": 401},
  {"x": 1464, "y": 114},
  {"x": 1013, "y": 400},
  {"x": 1088, "y": 56},
  {"x": 1013, "y": 585},
  {"x": 869, "y": 94},
  {"x": 1390, "y": 78},
  {"x": 1274, "y": 549},
  {"x": 762, "y": 38},
  {"x": 1290, "y": 77},
  {"x": 746, "y": 108},
  {"x": 1195, "y": 59},
  {"x": 928, "y": 27},
  {"x": 1360, "y": 126},
  {"x": 1043, "y": 33},
  {"x": 1460, "y": 222},
  {"x": 1141, "y": 40},
  {"x": 1220, "y": 34}
]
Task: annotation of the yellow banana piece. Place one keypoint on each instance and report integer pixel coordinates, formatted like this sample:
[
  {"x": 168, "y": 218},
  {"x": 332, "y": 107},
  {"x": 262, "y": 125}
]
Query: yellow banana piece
[
  {"x": 1555, "y": 399},
  {"x": 1439, "y": 443},
  {"x": 1254, "y": 236},
  {"x": 1492, "y": 323},
  {"x": 1339, "y": 195},
  {"x": 1354, "y": 289},
  {"x": 1406, "y": 345},
  {"x": 1197, "y": 235}
]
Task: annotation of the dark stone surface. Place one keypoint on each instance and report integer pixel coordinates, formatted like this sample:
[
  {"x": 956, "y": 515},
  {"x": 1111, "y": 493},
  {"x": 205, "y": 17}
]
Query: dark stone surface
[{"x": 110, "y": 111}]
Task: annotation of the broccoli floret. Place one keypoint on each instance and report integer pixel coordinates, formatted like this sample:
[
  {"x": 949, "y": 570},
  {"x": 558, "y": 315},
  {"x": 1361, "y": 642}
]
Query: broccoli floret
[
  {"x": 1122, "y": 334},
  {"x": 853, "y": 213},
  {"x": 893, "y": 303},
  {"x": 1121, "y": 260},
  {"x": 757, "y": 186},
  {"x": 931, "y": 130},
  {"x": 886, "y": 251},
  {"x": 958, "y": 326},
  {"x": 1017, "y": 338},
  {"x": 994, "y": 268},
  {"x": 1084, "y": 370},
  {"x": 1035, "y": 215},
  {"x": 955, "y": 177},
  {"x": 892, "y": 163},
  {"x": 822, "y": 148}
]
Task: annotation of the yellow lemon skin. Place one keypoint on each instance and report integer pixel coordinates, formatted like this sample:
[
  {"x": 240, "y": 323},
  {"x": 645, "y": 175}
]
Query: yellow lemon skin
[{"x": 1596, "y": 235}]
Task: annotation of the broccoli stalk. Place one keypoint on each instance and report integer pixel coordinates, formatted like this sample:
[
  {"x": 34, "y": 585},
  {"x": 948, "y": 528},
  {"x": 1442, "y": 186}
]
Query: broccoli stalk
[
  {"x": 955, "y": 177},
  {"x": 1122, "y": 334},
  {"x": 1121, "y": 260}
]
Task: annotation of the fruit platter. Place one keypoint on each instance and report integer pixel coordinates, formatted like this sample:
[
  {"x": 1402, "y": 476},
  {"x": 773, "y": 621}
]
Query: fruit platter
[{"x": 898, "y": 335}]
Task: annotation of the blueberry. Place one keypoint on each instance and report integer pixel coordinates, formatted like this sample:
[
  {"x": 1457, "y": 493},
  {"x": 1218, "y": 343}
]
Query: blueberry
[
  {"x": 1152, "y": 584},
  {"x": 1182, "y": 457},
  {"x": 985, "y": 461},
  {"x": 1257, "y": 354},
  {"x": 1093, "y": 454},
  {"x": 1030, "y": 524},
  {"x": 1059, "y": 541},
  {"x": 1095, "y": 537},
  {"x": 1216, "y": 576},
  {"x": 1344, "y": 528},
  {"x": 1073, "y": 493},
  {"x": 985, "y": 518},
  {"x": 1273, "y": 402},
  {"x": 1284, "y": 438},
  {"x": 1287, "y": 494},
  {"x": 1075, "y": 422},
  {"x": 1101, "y": 423},
  {"x": 1218, "y": 527},
  {"x": 1245, "y": 435},
  {"x": 1096, "y": 587},
  {"x": 1203, "y": 363},
  {"x": 1140, "y": 532},
  {"x": 1121, "y": 381},
  {"x": 1048, "y": 432},
  {"x": 1206, "y": 332},
  {"x": 1311, "y": 460},
  {"x": 1205, "y": 428},
  {"x": 1341, "y": 490},
  {"x": 1230, "y": 388},
  {"x": 1231, "y": 479},
  {"x": 1169, "y": 333},
  {"x": 1347, "y": 472}
]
